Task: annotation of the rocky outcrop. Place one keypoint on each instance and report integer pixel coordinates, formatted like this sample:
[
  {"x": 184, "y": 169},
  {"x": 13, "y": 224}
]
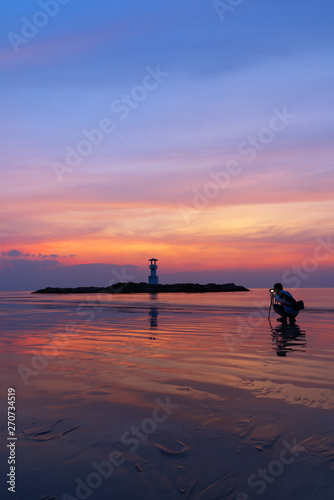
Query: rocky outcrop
[{"x": 146, "y": 288}]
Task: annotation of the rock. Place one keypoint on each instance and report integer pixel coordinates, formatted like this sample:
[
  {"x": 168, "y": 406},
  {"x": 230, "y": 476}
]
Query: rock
[{"x": 130, "y": 287}]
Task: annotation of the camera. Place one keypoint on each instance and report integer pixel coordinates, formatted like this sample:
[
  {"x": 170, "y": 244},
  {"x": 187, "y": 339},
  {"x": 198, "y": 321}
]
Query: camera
[{"x": 271, "y": 290}]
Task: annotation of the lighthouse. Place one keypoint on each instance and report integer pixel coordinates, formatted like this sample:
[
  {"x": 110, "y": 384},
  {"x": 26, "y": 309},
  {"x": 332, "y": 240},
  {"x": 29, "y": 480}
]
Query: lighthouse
[{"x": 153, "y": 279}]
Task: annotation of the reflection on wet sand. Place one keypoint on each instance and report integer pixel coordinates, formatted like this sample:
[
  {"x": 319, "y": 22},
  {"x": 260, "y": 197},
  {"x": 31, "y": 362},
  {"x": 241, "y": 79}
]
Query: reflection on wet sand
[
  {"x": 94, "y": 369},
  {"x": 153, "y": 314},
  {"x": 287, "y": 338}
]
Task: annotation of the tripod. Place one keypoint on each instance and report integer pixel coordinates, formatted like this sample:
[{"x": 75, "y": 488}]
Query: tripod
[{"x": 272, "y": 301}]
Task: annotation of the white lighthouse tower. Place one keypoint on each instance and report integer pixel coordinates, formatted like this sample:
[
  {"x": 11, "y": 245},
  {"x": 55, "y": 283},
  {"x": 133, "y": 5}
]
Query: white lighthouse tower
[{"x": 153, "y": 279}]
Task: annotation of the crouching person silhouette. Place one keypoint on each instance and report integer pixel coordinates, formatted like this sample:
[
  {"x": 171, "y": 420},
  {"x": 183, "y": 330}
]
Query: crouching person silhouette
[{"x": 285, "y": 305}]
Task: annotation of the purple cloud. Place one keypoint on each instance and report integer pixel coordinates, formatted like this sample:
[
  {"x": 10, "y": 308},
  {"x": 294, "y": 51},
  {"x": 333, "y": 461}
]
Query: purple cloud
[{"x": 14, "y": 253}]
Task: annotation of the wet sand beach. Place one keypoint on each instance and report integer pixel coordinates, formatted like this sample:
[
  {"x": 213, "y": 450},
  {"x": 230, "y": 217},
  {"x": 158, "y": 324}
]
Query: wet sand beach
[{"x": 168, "y": 397}]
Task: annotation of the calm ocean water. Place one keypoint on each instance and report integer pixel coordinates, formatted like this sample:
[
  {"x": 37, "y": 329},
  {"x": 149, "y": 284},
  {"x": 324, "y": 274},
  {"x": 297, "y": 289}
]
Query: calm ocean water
[{"x": 87, "y": 368}]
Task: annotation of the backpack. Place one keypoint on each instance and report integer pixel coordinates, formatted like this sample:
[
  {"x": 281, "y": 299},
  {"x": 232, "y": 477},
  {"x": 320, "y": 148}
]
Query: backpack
[{"x": 297, "y": 305}]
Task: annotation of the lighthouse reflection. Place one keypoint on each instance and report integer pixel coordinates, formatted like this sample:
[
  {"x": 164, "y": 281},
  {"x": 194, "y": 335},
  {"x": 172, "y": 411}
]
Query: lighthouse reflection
[
  {"x": 287, "y": 338},
  {"x": 153, "y": 313}
]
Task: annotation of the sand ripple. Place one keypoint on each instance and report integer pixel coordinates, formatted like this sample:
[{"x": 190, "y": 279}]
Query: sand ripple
[
  {"x": 54, "y": 431},
  {"x": 261, "y": 436},
  {"x": 173, "y": 453},
  {"x": 293, "y": 394}
]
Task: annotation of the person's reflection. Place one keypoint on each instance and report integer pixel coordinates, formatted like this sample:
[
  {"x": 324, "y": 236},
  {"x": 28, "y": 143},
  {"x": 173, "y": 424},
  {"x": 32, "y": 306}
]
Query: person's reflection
[{"x": 287, "y": 338}]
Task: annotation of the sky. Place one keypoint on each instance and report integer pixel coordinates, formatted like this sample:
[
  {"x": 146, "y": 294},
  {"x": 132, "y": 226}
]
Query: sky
[{"x": 198, "y": 132}]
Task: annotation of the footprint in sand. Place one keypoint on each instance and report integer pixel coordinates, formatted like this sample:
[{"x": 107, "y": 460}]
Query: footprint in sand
[
  {"x": 54, "y": 431},
  {"x": 321, "y": 446},
  {"x": 262, "y": 436}
]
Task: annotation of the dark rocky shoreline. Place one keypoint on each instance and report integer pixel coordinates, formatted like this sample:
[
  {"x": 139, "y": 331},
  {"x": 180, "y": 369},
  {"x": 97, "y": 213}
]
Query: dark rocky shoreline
[{"x": 146, "y": 288}]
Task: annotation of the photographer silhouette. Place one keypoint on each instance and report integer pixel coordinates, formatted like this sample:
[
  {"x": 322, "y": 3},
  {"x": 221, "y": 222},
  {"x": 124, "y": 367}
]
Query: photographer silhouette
[{"x": 284, "y": 304}]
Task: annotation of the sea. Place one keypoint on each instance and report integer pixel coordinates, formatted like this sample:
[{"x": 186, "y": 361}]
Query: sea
[{"x": 161, "y": 396}]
